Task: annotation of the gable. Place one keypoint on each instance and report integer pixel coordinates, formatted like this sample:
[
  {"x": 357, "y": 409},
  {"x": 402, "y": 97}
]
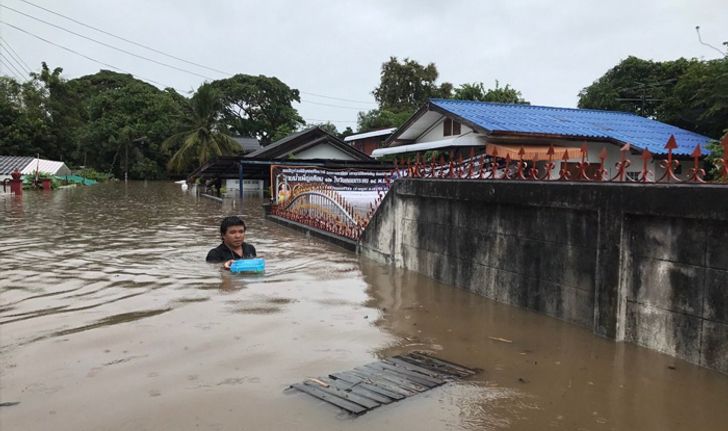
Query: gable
[{"x": 323, "y": 150}]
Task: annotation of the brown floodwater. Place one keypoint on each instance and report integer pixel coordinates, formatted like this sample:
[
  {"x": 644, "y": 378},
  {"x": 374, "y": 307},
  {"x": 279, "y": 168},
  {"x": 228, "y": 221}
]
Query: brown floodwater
[{"x": 111, "y": 320}]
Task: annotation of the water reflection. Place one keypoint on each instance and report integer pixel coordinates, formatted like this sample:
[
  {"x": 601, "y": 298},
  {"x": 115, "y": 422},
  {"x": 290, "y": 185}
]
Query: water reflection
[{"x": 106, "y": 302}]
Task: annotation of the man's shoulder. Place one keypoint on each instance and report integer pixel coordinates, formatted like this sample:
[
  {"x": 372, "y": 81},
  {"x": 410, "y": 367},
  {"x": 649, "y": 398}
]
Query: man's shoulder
[{"x": 216, "y": 254}]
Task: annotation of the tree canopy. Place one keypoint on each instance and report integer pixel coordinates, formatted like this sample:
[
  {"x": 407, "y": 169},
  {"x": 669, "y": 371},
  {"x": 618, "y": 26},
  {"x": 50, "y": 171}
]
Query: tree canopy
[
  {"x": 258, "y": 106},
  {"x": 691, "y": 94},
  {"x": 477, "y": 91},
  {"x": 203, "y": 135},
  {"x": 94, "y": 120},
  {"x": 406, "y": 85}
]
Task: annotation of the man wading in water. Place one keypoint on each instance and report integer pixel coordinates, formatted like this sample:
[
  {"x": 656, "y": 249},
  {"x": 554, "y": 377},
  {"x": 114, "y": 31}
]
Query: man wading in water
[{"x": 232, "y": 232}]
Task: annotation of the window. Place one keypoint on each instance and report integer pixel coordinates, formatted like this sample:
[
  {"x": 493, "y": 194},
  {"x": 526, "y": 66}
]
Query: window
[{"x": 450, "y": 127}]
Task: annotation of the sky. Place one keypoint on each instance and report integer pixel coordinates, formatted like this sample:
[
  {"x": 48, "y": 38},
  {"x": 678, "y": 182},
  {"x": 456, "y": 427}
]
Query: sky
[{"x": 332, "y": 51}]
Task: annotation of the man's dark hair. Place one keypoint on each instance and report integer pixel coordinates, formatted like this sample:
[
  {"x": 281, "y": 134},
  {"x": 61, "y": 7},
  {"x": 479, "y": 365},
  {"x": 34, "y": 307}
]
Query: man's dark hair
[{"x": 230, "y": 221}]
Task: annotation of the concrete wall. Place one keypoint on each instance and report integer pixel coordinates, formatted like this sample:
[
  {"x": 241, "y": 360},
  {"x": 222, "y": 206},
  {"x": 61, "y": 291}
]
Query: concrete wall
[{"x": 644, "y": 264}]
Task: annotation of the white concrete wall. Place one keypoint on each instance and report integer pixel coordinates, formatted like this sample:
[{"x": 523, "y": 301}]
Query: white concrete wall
[
  {"x": 322, "y": 151},
  {"x": 248, "y": 185}
]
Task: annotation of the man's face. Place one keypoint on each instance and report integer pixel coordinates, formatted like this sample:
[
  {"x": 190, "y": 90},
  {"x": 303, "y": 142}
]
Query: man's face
[{"x": 234, "y": 236}]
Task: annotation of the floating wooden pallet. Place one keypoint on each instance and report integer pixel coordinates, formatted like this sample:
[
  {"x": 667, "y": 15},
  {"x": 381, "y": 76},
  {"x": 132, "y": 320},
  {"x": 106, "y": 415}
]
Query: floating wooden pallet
[{"x": 372, "y": 385}]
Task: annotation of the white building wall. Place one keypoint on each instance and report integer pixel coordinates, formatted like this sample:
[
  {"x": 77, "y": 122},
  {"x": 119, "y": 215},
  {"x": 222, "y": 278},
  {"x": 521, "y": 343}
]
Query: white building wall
[
  {"x": 436, "y": 133},
  {"x": 248, "y": 185},
  {"x": 323, "y": 151}
]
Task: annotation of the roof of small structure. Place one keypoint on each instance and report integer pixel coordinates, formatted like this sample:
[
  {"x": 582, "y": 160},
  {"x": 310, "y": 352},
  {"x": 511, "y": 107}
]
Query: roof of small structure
[
  {"x": 302, "y": 140},
  {"x": 248, "y": 144},
  {"x": 52, "y": 167},
  {"x": 9, "y": 164},
  {"x": 28, "y": 165},
  {"x": 619, "y": 127}
]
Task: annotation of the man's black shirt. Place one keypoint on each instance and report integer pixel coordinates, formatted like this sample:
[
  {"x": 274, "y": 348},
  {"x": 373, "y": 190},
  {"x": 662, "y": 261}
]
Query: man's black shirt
[{"x": 223, "y": 253}]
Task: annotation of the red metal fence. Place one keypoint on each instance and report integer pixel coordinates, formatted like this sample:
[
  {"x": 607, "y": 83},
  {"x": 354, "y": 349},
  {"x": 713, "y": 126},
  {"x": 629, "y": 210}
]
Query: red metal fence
[{"x": 320, "y": 206}]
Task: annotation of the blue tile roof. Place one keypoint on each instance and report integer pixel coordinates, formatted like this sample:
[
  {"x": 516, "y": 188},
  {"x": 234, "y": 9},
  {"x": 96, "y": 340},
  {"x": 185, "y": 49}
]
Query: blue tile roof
[{"x": 587, "y": 123}]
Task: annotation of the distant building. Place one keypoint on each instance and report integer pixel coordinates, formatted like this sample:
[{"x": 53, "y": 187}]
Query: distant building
[
  {"x": 309, "y": 144},
  {"x": 29, "y": 165},
  {"x": 310, "y": 147},
  {"x": 369, "y": 141},
  {"x": 460, "y": 126}
]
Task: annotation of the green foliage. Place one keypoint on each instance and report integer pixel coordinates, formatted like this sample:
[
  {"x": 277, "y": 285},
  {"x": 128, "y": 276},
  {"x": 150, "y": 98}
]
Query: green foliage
[
  {"x": 258, "y": 106},
  {"x": 93, "y": 174},
  {"x": 713, "y": 160},
  {"x": 405, "y": 86},
  {"x": 328, "y": 127},
  {"x": 381, "y": 119},
  {"x": 347, "y": 132},
  {"x": 692, "y": 94},
  {"x": 203, "y": 135},
  {"x": 477, "y": 91},
  {"x": 122, "y": 114}
]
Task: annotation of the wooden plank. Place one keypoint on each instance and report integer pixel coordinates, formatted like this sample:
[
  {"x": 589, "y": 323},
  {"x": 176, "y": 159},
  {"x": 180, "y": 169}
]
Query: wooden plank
[
  {"x": 354, "y": 398},
  {"x": 359, "y": 390},
  {"x": 380, "y": 389},
  {"x": 434, "y": 381},
  {"x": 460, "y": 369},
  {"x": 382, "y": 368},
  {"x": 394, "y": 378},
  {"x": 443, "y": 370},
  {"x": 386, "y": 383},
  {"x": 412, "y": 367},
  {"x": 447, "y": 363},
  {"x": 339, "y": 402}
]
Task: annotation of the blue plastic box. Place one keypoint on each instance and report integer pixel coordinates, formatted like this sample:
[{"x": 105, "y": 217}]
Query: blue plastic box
[{"x": 256, "y": 264}]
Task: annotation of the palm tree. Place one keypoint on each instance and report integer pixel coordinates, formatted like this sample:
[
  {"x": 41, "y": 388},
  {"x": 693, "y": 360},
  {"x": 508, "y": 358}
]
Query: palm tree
[{"x": 203, "y": 135}]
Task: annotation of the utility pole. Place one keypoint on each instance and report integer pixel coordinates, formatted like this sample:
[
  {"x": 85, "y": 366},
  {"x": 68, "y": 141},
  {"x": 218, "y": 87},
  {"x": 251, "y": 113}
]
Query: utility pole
[
  {"x": 126, "y": 156},
  {"x": 126, "y": 160}
]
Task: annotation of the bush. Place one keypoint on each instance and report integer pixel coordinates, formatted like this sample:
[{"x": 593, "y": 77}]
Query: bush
[{"x": 93, "y": 174}]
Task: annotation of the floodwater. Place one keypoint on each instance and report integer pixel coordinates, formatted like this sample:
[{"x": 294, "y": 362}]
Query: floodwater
[{"x": 110, "y": 320}]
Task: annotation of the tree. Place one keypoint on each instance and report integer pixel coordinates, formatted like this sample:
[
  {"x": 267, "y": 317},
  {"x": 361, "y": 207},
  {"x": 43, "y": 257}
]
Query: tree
[
  {"x": 203, "y": 135},
  {"x": 380, "y": 119},
  {"x": 258, "y": 106},
  {"x": 699, "y": 99},
  {"x": 405, "y": 86},
  {"x": 120, "y": 113},
  {"x": 691, "y": 94},
  {"x": 347, "y": 132},
  {"x": 328, "y": 127},
  {"x": 476, "y": 91}
]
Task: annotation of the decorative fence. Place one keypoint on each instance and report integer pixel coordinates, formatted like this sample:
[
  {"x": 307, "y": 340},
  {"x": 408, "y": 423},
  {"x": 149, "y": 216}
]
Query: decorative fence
[
  {"x": 490, "y": 166},
  {"x": 328, "y": 200}
]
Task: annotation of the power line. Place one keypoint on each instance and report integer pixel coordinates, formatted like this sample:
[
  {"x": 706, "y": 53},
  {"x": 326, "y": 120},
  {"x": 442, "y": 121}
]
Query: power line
[
  {"x": 700, "y": 39},
  {"x": 175, "y": 57},
  {"x": 15, "y": 70},
  {"x": 11, "y": 51},
  {"x": 125, "y": 39},
  {"x": 332, "y": 106},
  {"x": 82, "y": 55},
  {"x": 107, "y": 45},
  {"x": 317, "y": 120}
]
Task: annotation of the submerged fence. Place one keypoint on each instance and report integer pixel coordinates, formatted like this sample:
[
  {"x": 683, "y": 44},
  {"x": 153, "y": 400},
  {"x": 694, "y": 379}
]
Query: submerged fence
[{"x": 342, "y": 202}]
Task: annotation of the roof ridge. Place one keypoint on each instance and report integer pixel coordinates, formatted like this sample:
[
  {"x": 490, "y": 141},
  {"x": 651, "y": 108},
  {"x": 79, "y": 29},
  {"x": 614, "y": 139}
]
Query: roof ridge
[{"x": 523, "y": 105}]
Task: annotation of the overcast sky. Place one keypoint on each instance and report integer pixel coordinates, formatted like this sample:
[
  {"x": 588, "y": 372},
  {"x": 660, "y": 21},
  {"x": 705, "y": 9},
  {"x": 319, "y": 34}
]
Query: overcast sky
[{"x": 547, "y": 50}]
